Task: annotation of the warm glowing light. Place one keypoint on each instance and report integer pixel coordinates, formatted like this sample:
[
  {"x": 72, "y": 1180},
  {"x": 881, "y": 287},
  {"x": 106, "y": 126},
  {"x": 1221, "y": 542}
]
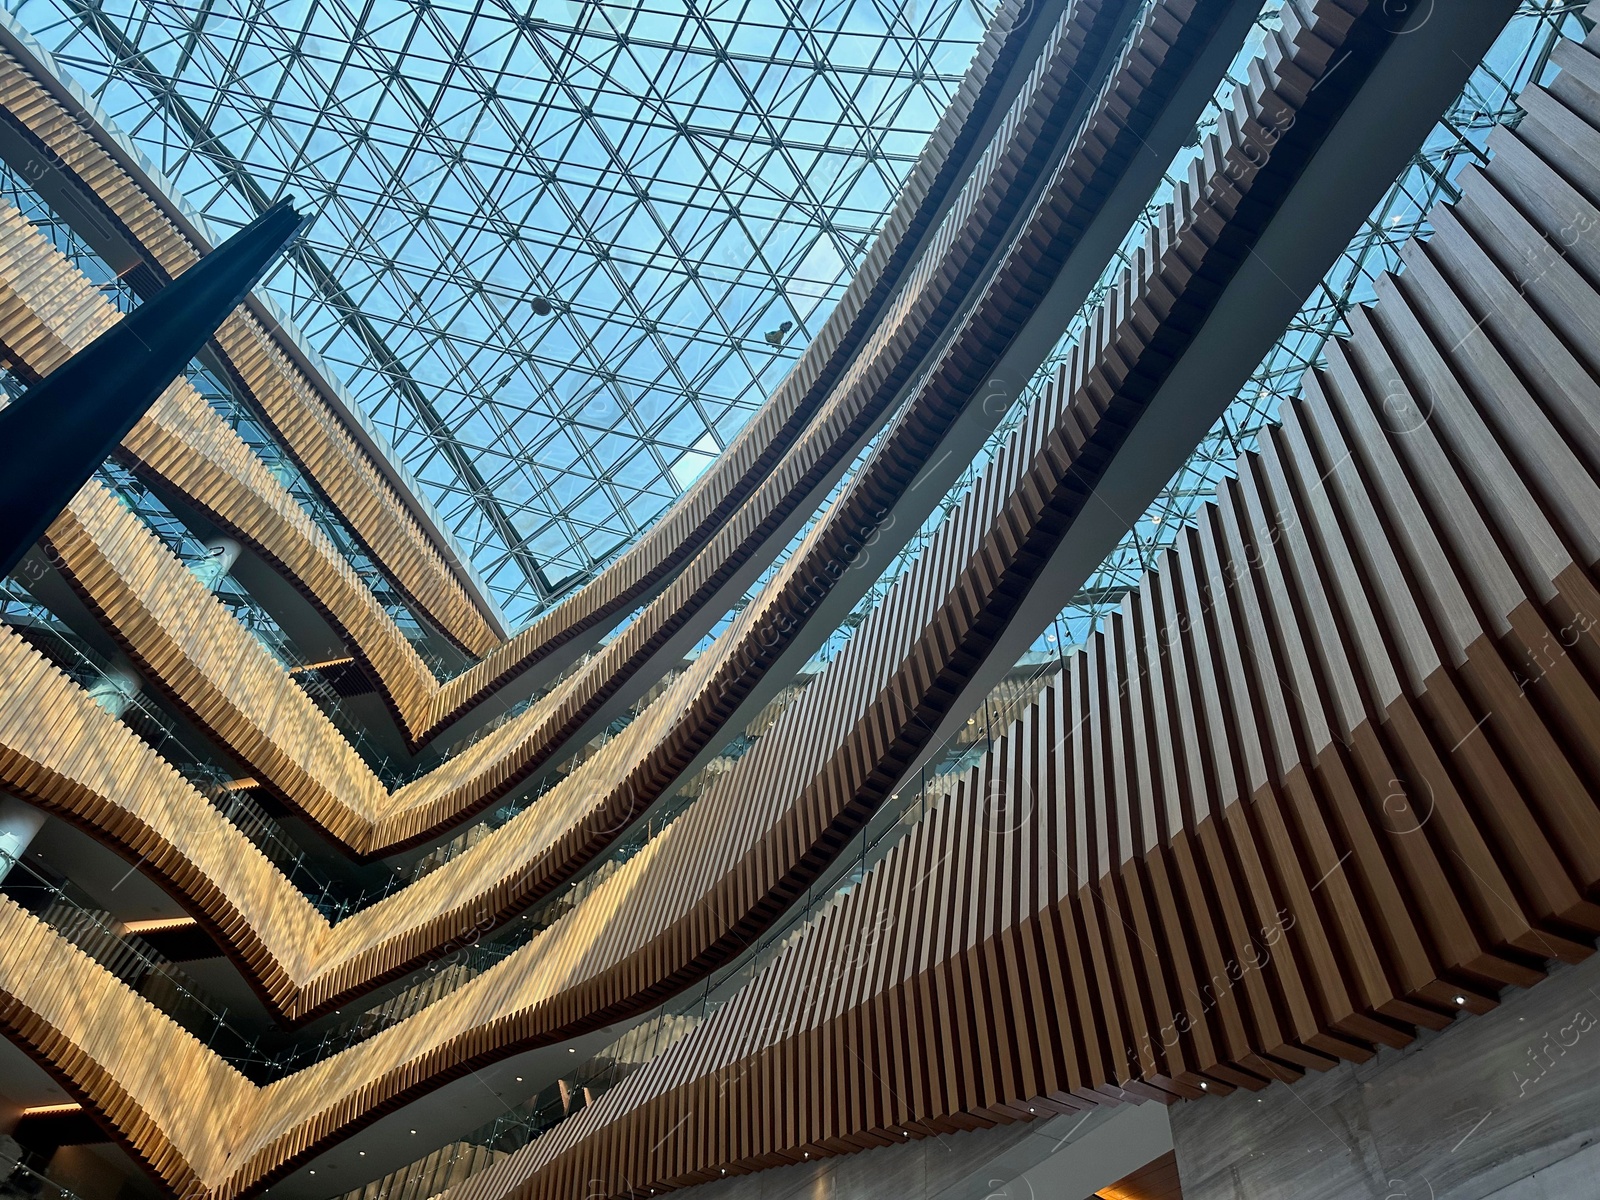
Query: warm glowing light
[
  {"x": 317, "y": 666},
  {"x": 159, "y": 924}
]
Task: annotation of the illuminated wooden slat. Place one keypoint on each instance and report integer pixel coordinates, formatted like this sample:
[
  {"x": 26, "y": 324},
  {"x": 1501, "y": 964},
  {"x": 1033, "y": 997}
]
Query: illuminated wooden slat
[
  {"x": 255, "y": 356},
  {"x": 1027, "y": 126},
  {"x": 302, "y": 974},
  {"x": 1348, "y": 615},
  {"x": 466, "y": 785}
]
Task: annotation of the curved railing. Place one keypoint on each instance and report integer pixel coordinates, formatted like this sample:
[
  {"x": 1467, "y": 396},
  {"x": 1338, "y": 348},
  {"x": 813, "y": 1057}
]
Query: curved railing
[
  {"x": 258, "y": 357},
  {"x": 303, "y": 966},
  {"x": 1275, "y": 713},
  {"x": 265, "y": 714}
]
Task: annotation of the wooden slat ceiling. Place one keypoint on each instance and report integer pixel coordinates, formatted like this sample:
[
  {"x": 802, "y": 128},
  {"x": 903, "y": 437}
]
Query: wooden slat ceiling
[
  {"x": 1156, "y": 1180},
  {"x": 254, "y": 357},
  {"x": 193, "y": 649},
  {"x": 1322, "y": 781},
  {"x": 1312, "y": 788}
]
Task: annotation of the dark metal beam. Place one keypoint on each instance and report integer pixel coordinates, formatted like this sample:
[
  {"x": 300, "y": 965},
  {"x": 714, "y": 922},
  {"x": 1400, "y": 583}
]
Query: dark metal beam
[
  {"x": 204, "y": 141},
  {"x": 58, "y": 432}
]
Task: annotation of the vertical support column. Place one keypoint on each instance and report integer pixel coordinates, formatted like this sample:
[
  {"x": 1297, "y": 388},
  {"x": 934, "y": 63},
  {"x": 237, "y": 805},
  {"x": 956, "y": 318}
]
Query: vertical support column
[
  {"x": 19, "y": 824},
  {"x": 221, "y": 554},
  {"x": 121, "y": 685},
  {"x": 118, "y": 688},
  {"x": 284, "y": 473}
]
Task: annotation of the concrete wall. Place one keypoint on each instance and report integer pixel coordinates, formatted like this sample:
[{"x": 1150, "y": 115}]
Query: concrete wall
[
  {"x": 1065, "y": 1158},
  {"x": 1503, "y": 1106}
]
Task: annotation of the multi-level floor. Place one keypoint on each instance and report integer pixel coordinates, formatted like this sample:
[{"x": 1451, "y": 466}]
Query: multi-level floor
[{"x": 1121, "y": 717}]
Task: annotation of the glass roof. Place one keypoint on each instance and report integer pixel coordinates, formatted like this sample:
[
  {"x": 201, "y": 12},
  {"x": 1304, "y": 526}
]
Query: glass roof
[{"x": 562, "y": 249}]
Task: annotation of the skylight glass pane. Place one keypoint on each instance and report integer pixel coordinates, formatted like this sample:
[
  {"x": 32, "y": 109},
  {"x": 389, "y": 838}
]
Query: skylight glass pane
[{"x": 688, "y": 185}]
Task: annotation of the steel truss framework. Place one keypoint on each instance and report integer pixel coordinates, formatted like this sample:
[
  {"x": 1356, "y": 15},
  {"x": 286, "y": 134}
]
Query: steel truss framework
[
  {"x": 1520, "y": 55},
  {"x": 686, "y": 186},
  {"x": 240, "y": 416}
]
